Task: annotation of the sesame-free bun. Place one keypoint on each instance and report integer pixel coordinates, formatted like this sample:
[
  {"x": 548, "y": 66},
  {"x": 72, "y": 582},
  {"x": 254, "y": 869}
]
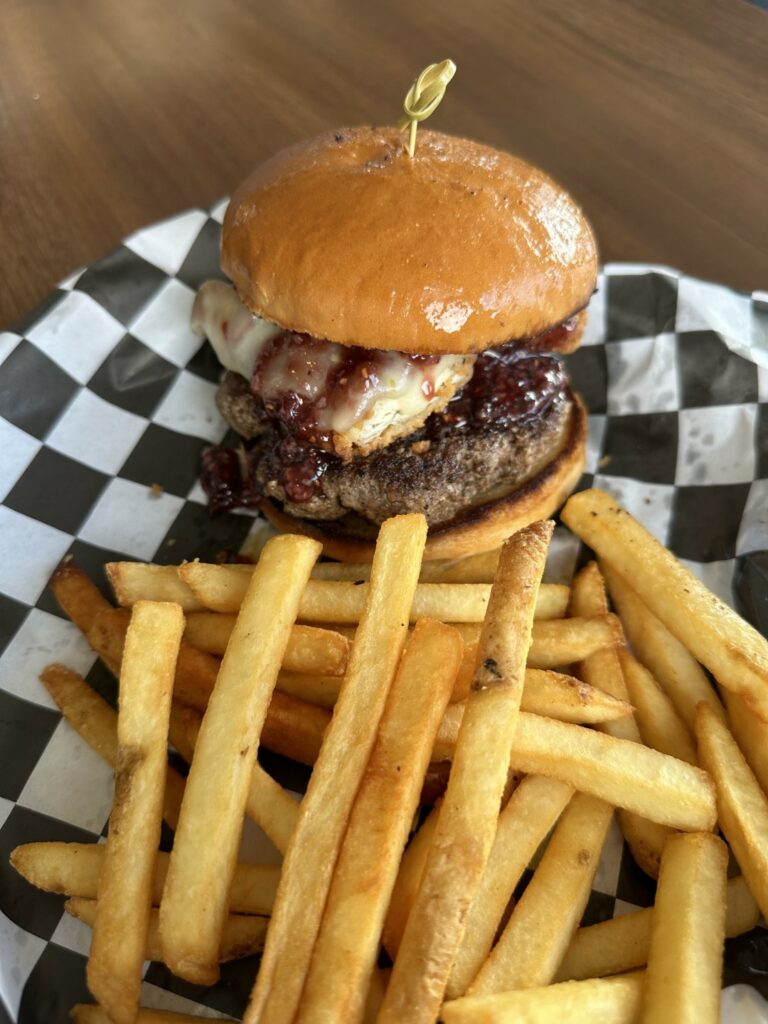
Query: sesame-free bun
[
  {"x": 479, "y": 527},
  {"x": 457, "y": 249}
]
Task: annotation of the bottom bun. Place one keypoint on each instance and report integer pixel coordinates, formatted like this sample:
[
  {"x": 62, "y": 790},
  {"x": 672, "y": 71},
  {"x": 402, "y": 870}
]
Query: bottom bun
[{"x": 477, "y": 528}]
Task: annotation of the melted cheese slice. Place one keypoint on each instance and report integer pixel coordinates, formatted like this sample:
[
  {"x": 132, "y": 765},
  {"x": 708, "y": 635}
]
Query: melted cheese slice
[{"x": 397, "y": 399}]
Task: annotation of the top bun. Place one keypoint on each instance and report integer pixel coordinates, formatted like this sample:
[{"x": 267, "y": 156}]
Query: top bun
[{"x": 457, "y": 249}]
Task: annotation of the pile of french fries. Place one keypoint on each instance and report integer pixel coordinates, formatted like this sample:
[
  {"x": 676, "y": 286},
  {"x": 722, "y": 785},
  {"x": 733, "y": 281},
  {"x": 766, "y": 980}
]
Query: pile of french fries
[{"x": 519, "y": 701}]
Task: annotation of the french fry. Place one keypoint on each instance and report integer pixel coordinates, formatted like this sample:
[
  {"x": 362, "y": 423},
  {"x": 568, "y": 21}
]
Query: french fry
[
  {"x": 660, "y": 725},
  {"x": 272, "y": 808},
  {"x": 673, "y": 667},
  {"x": 599, "y": 1001},
  {"x": 742, "y": 807},
  {"x": 751, "y": 733},
  {"x": 467, "y": 823},
  {"x": 321, "y": 690},
  {"x": 221, "y": 587},
  {"x": 534, "y": 941},
  {"x": 603, "y": 668},
  {"x": 311, "y": 650},
  {"x": 194, "y": 904},
  {"x": 178, "y": 734},
  {"x": 79, "y": 598},
  {"x": 323, "y": 813},
  {"x": 125, "y": 882},
  {"x": 478, "y": 568},
  {"x": 347, "y": 943},
  {"x": 685, "y": 959},
  {"x": 733, "y": 651},
  {"x": 524, "y": 824},
  {"x": 294, "y": 728},
  {"x": 407, "y": 882},
  {"x": 73, "y": 869},
  {"x": 241, "y": 936},
  {"x": 565, "y": 641},
  {"x": 83, "y": 1013},
  {"x": 96, "y": 723},
  {"x": 621, "y": 943},
  {"x": 138, "y": 581},
  {"x": 624, "y": 774}
]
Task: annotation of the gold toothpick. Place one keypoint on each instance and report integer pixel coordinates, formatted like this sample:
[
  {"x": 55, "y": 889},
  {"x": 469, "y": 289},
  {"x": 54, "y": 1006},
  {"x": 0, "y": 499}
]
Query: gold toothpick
[{"x": 424, "y": 97}]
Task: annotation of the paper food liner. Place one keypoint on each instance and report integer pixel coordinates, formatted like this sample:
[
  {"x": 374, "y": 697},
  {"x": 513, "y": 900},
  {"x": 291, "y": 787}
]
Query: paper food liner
[{"x": 106, "y": 398}]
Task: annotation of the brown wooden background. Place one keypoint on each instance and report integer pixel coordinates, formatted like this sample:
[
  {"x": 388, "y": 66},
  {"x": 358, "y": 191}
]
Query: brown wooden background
[{"x": 116, "y": 113}]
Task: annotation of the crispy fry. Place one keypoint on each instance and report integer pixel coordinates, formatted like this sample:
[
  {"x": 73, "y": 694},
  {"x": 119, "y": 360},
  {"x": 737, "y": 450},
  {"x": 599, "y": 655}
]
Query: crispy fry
[
  {"x": 95, "y": 722},
  {"x": 599, "y": 1001},
  {"x": 742, "y": 807},
  {"x": 478, "y": 568},
  {"x": 242, "y": 934},
  {"x": 78, "y": 597},
  {"x": 676, "y": 670},
  {"x": 348, "y": 940},
  {"x": 467, "y": 823},
  {"x": 194, "y": 904},
  {"x": 348, "y": 741},
  {"x": 660, "y": 725},
  {"x": 407, "y": 882},
  {"x": 321, "y": 690},
  {"x": 73, "y": 869},
  {"x": 564, "y": 641},
  {"x": 588, "y": 597},
  {"x": 751, "y": 733},
  {"x": 83, "y": 1013},
  {"x": 138, "y": 581},
  {"x": 685, "y": 959},
  {"x": 621, "y": 943},
  {"x": 272, "y": 808},
  {"x": 125, "y": 882},
  {"x": 221, "y": 587},
  {"x": 538, "y": 933},
  {"x": 734, "y": 652},
  {"x": 524, "y": 823},
  {"x": 310, "y": 649},
  {"x": 294, "y": 728}
]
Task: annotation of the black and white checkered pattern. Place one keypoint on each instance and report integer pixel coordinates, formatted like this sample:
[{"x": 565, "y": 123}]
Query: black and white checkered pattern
[{"x": 104, "y": 391}]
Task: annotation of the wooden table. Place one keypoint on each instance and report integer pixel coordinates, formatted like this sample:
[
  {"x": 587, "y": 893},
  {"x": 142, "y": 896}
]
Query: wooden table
[{"x": 116, "y": 113}]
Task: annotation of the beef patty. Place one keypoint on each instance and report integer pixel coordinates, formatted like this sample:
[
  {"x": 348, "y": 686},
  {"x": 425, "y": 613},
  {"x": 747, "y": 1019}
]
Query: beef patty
[{"x": 449, "y": 463}]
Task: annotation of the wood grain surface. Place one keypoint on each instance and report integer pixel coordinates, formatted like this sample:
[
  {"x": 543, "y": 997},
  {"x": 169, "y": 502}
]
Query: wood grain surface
[{"x": 116, "y": 113}]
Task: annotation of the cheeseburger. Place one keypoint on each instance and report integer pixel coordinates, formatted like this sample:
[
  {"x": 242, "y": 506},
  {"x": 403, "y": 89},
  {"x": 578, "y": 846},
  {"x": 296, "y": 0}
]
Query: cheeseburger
[{"x": 392, "y": 337}]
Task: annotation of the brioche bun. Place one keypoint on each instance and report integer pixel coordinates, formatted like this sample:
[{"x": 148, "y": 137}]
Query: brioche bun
[{"x": 455, "y": 250}]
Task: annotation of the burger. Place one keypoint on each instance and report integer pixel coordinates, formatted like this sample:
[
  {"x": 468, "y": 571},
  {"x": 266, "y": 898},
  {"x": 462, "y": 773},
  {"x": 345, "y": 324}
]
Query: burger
[{"x": 392, "y": 339}]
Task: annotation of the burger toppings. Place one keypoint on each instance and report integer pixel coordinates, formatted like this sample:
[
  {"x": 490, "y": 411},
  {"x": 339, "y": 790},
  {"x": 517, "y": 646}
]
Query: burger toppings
[{"x": 340, "y": 398}]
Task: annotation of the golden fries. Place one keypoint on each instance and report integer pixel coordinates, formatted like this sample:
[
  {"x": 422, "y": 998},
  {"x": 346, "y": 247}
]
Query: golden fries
[
  {"x": 242, "y": 934},
  {"x": 407, "y": 882},
  {"x": 95, "y": 722},
  {"x": 621, "y": 943},
  {"x": 478, "y": 568},
  {"x": 73, "y": 869},
  {"x": 603, "y": 668},
  {"x": 348, "y": 940},
  {"x": 467, "y": 823},
  {"x": 221, "y": 587},
  {"x": 80, "y": 599},
  {"x": 523, "y": 825},
  {"x": 323, "y": 813},
  {"x": 734, "y": 652},
  {"x": 272, "y": 808},
  {"x": 660, "y": 725},
  {"x": 751, "y": 733},
  {"x": 125, "y": 882},
  {"x": 685, "y": 959},
  {"x": 137, "y": 581},
  {"x": 599, "y": 1001},
  {"x": 742, "y": 807},
  {"x": 537, "y": 934},
  {"x": 194, "y": 904},
  {"x": 624, "y": 774},
  {"x": 555, "y": 695},
  {"x": 83, "y": 1013},
  {"x": 310, "y": 649},
  {"x": 675, "y": 670}
]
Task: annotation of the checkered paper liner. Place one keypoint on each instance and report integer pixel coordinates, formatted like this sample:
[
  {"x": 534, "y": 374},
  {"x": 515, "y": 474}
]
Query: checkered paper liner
[{"x": 105, "y": 391}]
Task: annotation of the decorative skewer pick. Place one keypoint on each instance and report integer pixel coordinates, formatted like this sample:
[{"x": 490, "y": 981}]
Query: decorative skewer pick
[{"x": 424, "y": 97}]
